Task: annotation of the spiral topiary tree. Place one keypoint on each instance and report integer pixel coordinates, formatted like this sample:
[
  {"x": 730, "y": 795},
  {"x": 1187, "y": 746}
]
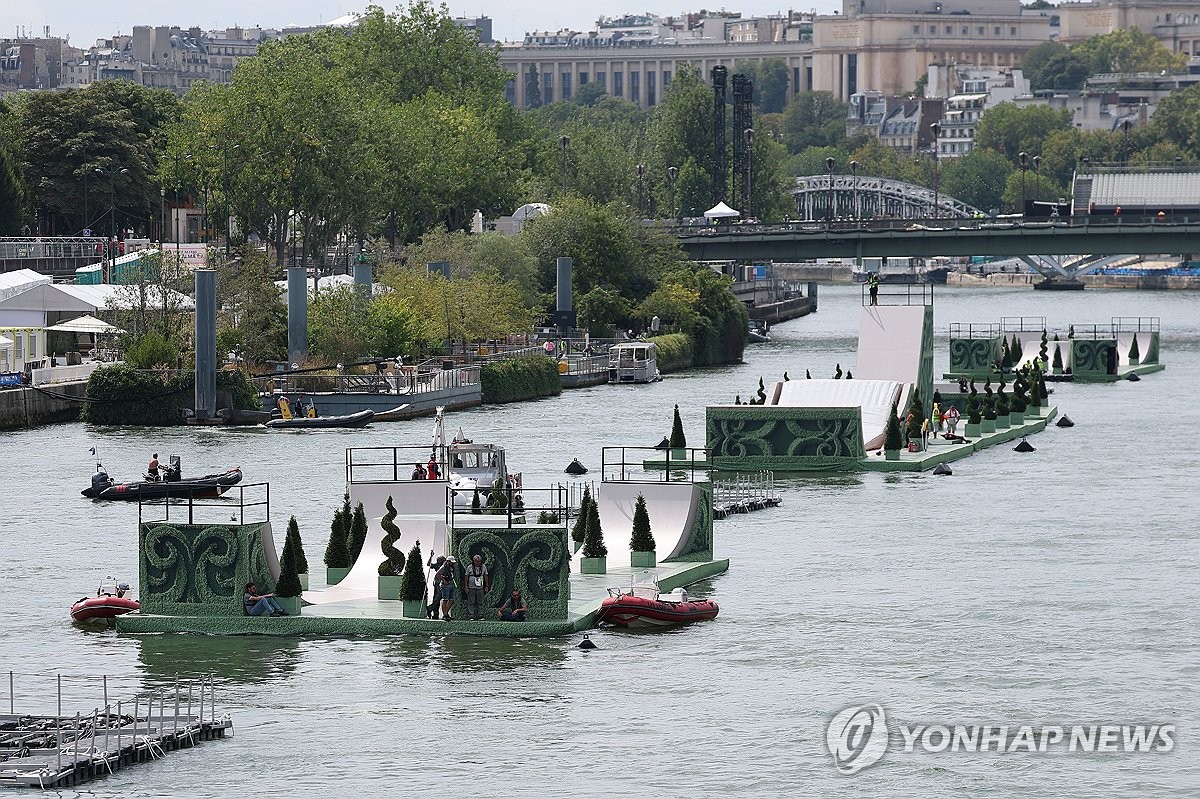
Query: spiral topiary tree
[
  {"x": 413, "y": 586},
  {"x": 593, "y": 536},
  {"x": 989, "y": 407},
  {"x": 293, "y": 539},
  {"x": 288, "y": 584},
  {"x": 358, "y": 533},
  {"x": 1043, "y": 351},
  {"x": 1019, "y": 402},
  {"x": 987, "y": 388},
  {"x": 837, "y": 375},
  {"x": 893, "y": 439},
  {"x": 785, "y": 377},
  {"x": 807, "y": 375},
  {"x": 336, "y": 554},
  {"x": 762, "y": 392},
  {"x": 642, "y": 539},
  {"x": 678, "y": 439},
  {"x": 579, "y": 531},
  {"x": 395, "y": 562},
  {"x": 1002, "y": 406},
  {"x": 974, "y": 415}
]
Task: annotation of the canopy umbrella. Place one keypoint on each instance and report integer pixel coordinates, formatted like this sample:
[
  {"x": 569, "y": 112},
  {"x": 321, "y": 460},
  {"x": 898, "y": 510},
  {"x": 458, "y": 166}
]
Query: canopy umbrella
[
  {"x": 86, "y": 324},
  {"x": 720, "y": 211}
]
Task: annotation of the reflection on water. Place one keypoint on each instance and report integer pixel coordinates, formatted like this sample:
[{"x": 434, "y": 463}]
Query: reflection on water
[
  {"x": 467, "y": 653},
  {"x": 240, "y": 658}
]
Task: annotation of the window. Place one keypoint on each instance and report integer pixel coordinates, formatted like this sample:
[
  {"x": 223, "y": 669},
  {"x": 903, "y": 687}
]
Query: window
[
  {"x": 618, "y": 84},
  {"x": 666, "y": 79},
  {"x": 1012, "y": 31},
  {"x": 650, "y": 87},
  {"x": 979, "y": 30},
  {"x": 600, "y": 76},
  {"x": 916, "y": 29},
  {"x": 548, "y": 87},
  {"x": 635, "y": 86},
  {"x": 566, "y": 86},
  {"x": 996, "y": 31},
  {"x": 965, "y": 30},
  {"x": 949, "y": 29},
  {"x": 933, "y": 29}
]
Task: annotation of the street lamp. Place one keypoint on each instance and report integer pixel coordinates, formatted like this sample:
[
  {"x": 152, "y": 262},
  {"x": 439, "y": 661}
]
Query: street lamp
[
  {"x": 564, "y": 142},
  {"x": 1037, "y": 173},
  {"x": 936, "y": 129},
  {"x": 854, "y": 172},
  {"x": 225, "y": 148},
  {"x": 672, "y": 174},
  {"x": 830, "y": 163},
  {"x": 1023, "y": 158},
  {"x": 641, "y": 173},
  {"x": 748, "y": 137}
]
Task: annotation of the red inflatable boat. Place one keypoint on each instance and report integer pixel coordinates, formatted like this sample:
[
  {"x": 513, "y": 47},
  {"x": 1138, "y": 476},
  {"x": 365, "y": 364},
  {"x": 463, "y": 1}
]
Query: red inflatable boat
[
  {"x": 642, "y": 609},
  {"x": 110, "y": 600}
]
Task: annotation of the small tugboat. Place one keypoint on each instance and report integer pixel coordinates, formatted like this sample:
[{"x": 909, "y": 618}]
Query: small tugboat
[
  {"x": 633, "y": 362},
  {"x": 288, "y": 420},
  {"x": 759, "y": 331},
  {"x": 110, "y": 601},
  {"x": 171, "y": 485},
  {"x": 643, "y": 607}
]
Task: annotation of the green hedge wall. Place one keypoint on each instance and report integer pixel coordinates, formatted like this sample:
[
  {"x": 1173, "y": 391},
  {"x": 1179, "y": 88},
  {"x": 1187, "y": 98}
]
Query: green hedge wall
[
  {"x": 517, "y": 379},
  {"x": 128, "y": 396},
  {"x": 674, "y": 352}
]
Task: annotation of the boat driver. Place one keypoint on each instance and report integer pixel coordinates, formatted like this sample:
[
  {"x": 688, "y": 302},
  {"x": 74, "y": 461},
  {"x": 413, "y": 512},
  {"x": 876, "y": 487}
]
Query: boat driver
[{"x": 152, "y": 468}]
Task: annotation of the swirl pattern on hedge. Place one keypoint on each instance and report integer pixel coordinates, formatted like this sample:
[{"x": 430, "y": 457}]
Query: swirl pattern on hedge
[{"x": 971, "y": 355}]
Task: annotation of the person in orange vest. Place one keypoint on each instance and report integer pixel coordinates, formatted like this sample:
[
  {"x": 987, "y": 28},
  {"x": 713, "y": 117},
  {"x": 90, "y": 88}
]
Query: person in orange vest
[{"x": 431, "y": 468}]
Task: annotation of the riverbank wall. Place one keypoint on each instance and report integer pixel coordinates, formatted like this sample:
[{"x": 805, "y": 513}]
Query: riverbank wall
[{"x": 28, "y": 406}]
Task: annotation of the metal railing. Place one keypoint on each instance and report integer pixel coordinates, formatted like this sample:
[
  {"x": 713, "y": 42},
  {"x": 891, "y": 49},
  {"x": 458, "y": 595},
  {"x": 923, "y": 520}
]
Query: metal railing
[
  {"x": 389, "y": 464},
  {"x": 973, "y": 330},
  {"x": 1090, "y": 331},
  {"x": 409, "y": 381},
  {"x": 1135, "y": 324},
  {"x": 224, "y": 509},
  {"x": 899, "y": 294},
  {"x": 1023, "y": 324},
  {"x": 627, "y": 465},
  {"x": 509, "y": 507}
]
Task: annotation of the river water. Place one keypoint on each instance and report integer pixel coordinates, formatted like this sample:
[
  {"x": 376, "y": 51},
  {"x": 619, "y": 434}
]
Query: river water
[{"x": 1057, "y": 587}]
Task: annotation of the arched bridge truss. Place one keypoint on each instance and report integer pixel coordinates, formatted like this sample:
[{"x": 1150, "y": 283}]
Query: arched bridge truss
[{"x": 863, "y": 197}]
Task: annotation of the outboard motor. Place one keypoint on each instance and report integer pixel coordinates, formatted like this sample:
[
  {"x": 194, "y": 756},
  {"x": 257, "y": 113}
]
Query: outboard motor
[
  {"x": 100, "y": 480},
  {"x": 174, "y": 471}
]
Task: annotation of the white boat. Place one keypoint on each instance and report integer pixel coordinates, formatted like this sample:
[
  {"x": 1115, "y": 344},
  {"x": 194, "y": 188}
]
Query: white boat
[
  {"x": 469, "y": 466},
  {"x": 633, "y": 362}
]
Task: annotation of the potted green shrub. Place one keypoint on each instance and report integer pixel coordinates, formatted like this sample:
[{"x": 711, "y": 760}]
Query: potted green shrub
[
  {"x": 293, "y": 538},
  {"x": 1043, "y": 352},
  {"x": 641, "y": 544},
  {"x": 1003, "y": 411},
  {"x": 391, "y": 570},
  {"x": 595, "y": 554},
  {"x": 974, "y": 417},
  {"x": 1018, "y": 403},
  {"x": 288, "y": 588},
  {"x": 914, "y": 420},
  {"x": 1135, "y": 354},
  {"x": 1057, "y": 362},
  {"x": 893, "y": 439},
  {"x": 989, "y": 414},
  {"x": 678, "y": 440},
  {"x": 337, "y": 556},
  {"x": 357, "y": 535},
  {"x": 476, "y": 505},
  {"x": 412, "y": 585},
  {"x": 579, "y": 530},
  {"x": 1005, "y": 354}
]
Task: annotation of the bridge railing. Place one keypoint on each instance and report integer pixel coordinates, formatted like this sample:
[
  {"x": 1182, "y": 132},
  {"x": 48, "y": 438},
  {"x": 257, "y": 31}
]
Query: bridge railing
[{"x": 934, "y": 225}]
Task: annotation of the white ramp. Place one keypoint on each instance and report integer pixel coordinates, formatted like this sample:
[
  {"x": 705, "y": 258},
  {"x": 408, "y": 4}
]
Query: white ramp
[
  {"x": 1125, "y": 341},
  {"x": 670, "y": 506},
  {"x": 889, "y": 343},
  {"x": 362, "y": 582},
  {"x": 873, "y": 397}
]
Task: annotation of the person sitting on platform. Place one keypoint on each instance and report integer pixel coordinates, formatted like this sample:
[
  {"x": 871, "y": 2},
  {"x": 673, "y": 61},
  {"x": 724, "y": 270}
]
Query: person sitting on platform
[
  {"x": 514, "y": 608},
  {"x": 152, "y": 468},
  {"x": 418, "y": 472},
  {"x": 260, "y": 604}
]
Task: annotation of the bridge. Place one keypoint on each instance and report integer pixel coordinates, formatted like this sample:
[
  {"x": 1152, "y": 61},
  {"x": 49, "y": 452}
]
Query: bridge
[
  {"x": 1096, "y": 241},
  {"x": 863, "y": 197}
]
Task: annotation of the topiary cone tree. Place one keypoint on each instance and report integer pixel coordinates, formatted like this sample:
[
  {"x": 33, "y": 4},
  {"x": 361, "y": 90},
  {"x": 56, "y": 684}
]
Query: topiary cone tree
[
  {"x": 293, "y": 539},
  {"x": 395, "y": 562},
  {"x": 1134, "y": 353},
  {"x": 476, "y": 507},
  {"x": 1005, "y": 354},
  {"x": 642, "y": 539},
  {"x": 893, "y": 439},
  {"x": 413, "y": 586},
  {"x": 358, "y": 533},
  {"x": 580, "y": 528},
  {"x": 678, "y": 440},
  {"x": 593, "y": 536},
  {"x": 336, "y": 554},
  {"x": 288, "y": 584},
  {"x": 1014, "y": 351},
  {"x": 916, "y": 415},
  {"x": 1057, "y": 363}
]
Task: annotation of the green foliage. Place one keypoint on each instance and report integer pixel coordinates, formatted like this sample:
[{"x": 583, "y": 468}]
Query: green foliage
[
  {"x": 1134, "y": 352},
  {"x": 251, "y": 314},
  {"x": 837, "y": 373},
  {"x": 1057, "y": 361},
  {"x": 289, "y": 568},
  {"x": 123, "y": 395},
  {"x": 770, "y": 79},
  {"x": 498, "y": 498},
  {"x": 978, "y": 178},
  {"x": 916, "y": 415},
  {"x": 518, "y": 379},
  {"x": 12, "y": 195},
  {"x": 151, "y": 351},
  {"x": 337, "y": 556},
  {"x": 762, "y": 392},
  {"x": 1043, "y": 350},
  {"x": 893, "y": 439},
  {"x": 989, "y": 407},
  {"x": 678, "y": 439},
  {"x": 642, "y": 539},
  {"x": 394, "y": 565},
  {"x": 1051, "y": 65},
  {"x": 1128, "y": 50},
  {"x": 1002, "y": 404},
  {"x": 602, "y": 310},
  {"x": 673, "y": 351},
  {"x": 1019, "y": 401},
  {"x": 973, "y": 411},
  {"x": 413, "y": 585},
  {"x": 533, "y": 87},
  {"x": 356, "y": 536},
  {"x": 814, "y": 119},
  {"x": 579, "y": 530},
  {"x": 1010, "y": 130},
  {"x": 293, "y": 538},
  {"x": 593, "y": 535},
  {"x": 476, "y": 507},
  {"x": 477, "y": 304},
  {"x": 1005, "y": 354},
  {"x": 345, "y": 326}
]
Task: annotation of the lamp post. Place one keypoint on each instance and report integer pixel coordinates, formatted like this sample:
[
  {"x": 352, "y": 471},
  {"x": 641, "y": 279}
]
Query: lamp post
[
  {"x": 936, "y": 129},
  {"x": 830, "y": 163},
  {"x": 564, "y": 143},
  {"x": 854, "y": 173},
  {"x": 641, "y": 174},
  {"x": 672, "y": 174},
  {"x": 175, "y": 234},
  {"x": 1023, "y": 159},
  {"x": 748, "y": 137},
  {"x": 111, "y": 247},
  {"x": 86, "y": 222},
  {"x": 1037, "y": 175},
  {"x": 162, "y": 216},
  {"x": 225, "y": 148}
]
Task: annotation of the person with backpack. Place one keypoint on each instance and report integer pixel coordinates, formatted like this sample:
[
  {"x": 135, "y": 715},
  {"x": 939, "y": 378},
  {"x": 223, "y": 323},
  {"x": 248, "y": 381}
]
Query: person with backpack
[
  {"x": 444, "y": 580},
  {"x": 478, "y": 583}
]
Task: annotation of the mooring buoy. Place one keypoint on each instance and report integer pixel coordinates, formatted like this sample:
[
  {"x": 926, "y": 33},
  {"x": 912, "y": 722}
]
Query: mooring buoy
[
  {"x": 1024, "y": 446},
  {"x": 575, "y": 467},
  {"x": 1133, "y": 377},
  {"x": 587, "y": 643},
  {"x": 1064, "y": 421},
  {"x": 942, "y": 469}
]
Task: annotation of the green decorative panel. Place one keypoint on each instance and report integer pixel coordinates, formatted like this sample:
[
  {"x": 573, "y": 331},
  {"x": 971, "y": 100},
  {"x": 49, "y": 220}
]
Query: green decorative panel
[
  {"x": 199, "y": 570},
  {"x": 925, "y": 371},
  {"x": 1090, "y": 357},
  {"x": 535, "y": 559},
  {"x": 699, "y": 546},
  {"x": 800, "y": 439},
  {"x": 972, "y": 356},
  {"x": 1151, "y": 355}
]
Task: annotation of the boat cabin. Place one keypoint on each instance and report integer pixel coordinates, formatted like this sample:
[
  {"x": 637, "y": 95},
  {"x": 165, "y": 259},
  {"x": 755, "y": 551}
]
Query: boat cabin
[
  {"x": 482, "y": 464},
  {"x": 633, "y": 362}
]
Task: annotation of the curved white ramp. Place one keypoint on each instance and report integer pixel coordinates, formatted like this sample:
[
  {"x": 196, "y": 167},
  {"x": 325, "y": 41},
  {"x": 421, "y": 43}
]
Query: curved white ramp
[
  {"x": 1125, "y": 341},
  {"x": 671, "y": 507},
  {"x": 874, "y": 398}
]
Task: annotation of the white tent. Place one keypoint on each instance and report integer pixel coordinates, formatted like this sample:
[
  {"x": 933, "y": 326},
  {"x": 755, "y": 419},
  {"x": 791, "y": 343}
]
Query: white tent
[
  {"x": 720, "y": 211},
  {"x": 86, "y": 324}
]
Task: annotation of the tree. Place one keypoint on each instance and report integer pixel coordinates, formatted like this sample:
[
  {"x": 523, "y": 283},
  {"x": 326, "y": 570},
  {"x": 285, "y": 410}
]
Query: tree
[
  {"x": 682, "y": 130},
  {"x": 344, "y": 326},
  {"x": 293, "y": 538},
  {"x": 1134, "y": 353},
  {"x": 678, "y": 439},
  {"x": 642, "y": 539},
  {"x": 153, "y": 296},
  {"x": 1057, "y": 361},
  {"x": 593, "y": 536},
  {"x": 356, "y": 536},
  {"x": 533, "y": 87},
  {"x": 1010, "y": 130},
  {"x": 600, "y": 310},
  {"x": 288, "y": 584},
  {"x": 393, "y": 564},
  {"x": 1002, "y": 406},
  {"x": 770, "y": 79},
  {"x": 1177, "y": 120},
  {"x": 916, "y": 415},
  {"x": 973, "y": 412},
  {"x": 413, "y": 586},
  {"x": 814, "y": 119},
  {"x": 978, "y": 178},
  {"x": 251, "y": 314},
  {"x": 1128, "y": 50},
  {"x": 12, "y": 195},
  {"x": 151, "y": 351},
  {"x": 589, "y": 93},
  {"x": 1051, "y": 65},
  {"x": 579, "y": 530},
  {"x": 892, "y": 437},
  {"x": 337, "y": 556}
]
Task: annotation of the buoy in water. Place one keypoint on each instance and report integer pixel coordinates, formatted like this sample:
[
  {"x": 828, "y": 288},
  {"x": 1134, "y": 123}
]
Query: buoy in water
[
  {"x": 943, "y": 469},
  {"x": 575, "y": 467},
  {"x": 587, "y": 643},
  {"x": 1064, "y": 421},
  {"x": 1024, "y": 446},
  {"x": 664, "y": 444},
  {"x": 1133, "y": 377}
]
